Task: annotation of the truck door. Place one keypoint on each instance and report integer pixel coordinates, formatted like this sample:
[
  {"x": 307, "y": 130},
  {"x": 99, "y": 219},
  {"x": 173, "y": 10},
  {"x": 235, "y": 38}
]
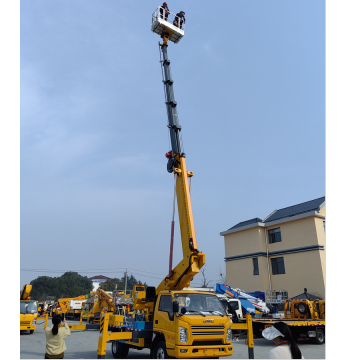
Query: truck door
[{"x": 164, "y": 320}]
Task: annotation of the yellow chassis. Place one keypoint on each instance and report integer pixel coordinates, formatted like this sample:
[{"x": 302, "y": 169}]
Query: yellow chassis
[{"x": 207, "y": 351}]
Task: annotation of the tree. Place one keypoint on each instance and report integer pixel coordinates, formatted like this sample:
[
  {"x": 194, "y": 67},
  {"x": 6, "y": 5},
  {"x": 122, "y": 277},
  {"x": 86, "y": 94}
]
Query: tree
[
  {"x": 110, "y": 285},
  {"x": 222, "y": 276},
  {"x": 204, "y": 281},
  {"x": 68, "y": 285}
]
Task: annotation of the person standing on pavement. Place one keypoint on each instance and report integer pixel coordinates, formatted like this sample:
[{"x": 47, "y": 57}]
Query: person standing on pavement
[
  {"x": 286, "y": 347},
  {"x": 55, "y": 344}
]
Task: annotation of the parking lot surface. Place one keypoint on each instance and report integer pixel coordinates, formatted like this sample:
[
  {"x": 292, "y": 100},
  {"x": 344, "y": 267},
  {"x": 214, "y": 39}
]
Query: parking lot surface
[{"x": 83, "y": 345}]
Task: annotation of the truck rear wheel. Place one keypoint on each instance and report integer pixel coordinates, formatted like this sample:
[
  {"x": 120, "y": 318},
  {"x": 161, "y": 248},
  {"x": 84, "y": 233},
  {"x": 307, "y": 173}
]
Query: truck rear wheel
[
  {"x": 119, "y": 350},
  {"x": 320, "y": 337}
]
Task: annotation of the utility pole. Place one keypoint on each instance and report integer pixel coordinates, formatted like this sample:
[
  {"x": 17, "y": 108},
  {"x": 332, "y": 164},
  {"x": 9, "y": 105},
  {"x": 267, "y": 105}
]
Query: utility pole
[{"x": 125, "y": 281}]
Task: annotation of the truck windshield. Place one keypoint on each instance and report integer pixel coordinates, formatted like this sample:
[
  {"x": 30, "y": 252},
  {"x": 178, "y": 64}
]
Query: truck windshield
[
  {"x": 200, "y": 303},
  {"x": 28, "y": 307}
]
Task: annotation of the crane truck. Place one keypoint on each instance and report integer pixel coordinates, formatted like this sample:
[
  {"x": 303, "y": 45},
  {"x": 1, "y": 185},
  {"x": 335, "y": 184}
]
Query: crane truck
[
  {"x": 168, "y": 320},
  {"x": 29, "y": 311},
  {"x": 66, "y": 306}
]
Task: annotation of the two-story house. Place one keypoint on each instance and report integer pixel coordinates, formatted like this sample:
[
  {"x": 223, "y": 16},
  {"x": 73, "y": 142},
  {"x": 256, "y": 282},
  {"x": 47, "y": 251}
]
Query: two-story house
[{"x": 284, "y": 251}]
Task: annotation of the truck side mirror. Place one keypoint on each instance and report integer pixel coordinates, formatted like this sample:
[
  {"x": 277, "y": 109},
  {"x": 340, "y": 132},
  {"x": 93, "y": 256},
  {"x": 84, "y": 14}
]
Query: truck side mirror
[
  {"x": 175, "y": 306},
  {"x": 183, "y": 310}
]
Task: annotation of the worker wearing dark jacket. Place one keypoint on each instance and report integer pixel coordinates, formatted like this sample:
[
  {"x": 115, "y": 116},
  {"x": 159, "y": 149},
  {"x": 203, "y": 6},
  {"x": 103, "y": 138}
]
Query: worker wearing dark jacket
[
  {"x": 179, "y": 19},
  {"x": 164, "y": 8}
]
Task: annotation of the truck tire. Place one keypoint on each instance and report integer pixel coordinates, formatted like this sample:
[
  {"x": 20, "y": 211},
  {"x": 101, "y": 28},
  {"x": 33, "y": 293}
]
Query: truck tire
[
  {"x": 320, "y": 337},
  {"x": 31, "y": 331},
  {"x": 160, "y": 351},
  {"x": 119, "y": 350},
  {"x": 302, "y": 308}
]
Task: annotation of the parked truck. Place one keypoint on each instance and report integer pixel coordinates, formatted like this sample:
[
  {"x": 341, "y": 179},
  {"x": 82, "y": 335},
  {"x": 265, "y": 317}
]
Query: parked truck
[
  {"x": 28, "y": 310},
  {"x": 306, "y": 320},
  {"x": 168, "y": 320},
  {"x": 63, "y": 306}
]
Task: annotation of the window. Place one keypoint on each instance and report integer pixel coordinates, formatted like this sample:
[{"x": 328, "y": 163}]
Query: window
[
  {"x": 256, "y": 266},
  {"x": 278, "y": 266},
  {"x": 166, "y": 305},
  {"x": 274, "y": 236},
  {"x": 324, "y": 225}
]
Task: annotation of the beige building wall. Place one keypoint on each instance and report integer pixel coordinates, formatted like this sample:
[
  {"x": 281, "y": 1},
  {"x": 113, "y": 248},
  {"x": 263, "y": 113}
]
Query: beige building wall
[
  {"x": 302, "y": 270},
  {"x": 244, "y": 242},
  {"x": 239, "y": 274},
  {"x": 295, "y": 234},
  {"x": 319, "y": 223}
]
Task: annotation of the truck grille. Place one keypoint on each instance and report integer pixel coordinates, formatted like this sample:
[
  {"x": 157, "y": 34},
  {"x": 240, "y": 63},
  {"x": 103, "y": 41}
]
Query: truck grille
[
  {"x": 207, "y": 327},
  {"x": 206, "y": 343},
  {"x": 25, "y": 323}
]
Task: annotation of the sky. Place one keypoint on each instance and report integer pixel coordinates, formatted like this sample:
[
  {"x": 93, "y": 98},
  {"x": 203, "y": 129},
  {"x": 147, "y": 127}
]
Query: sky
[{"x": 249, "y": 80}]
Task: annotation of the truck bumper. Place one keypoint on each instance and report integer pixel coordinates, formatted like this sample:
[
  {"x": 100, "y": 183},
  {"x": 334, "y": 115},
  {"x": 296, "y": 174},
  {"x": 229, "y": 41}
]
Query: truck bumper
[
  {"x": 29, "y": 327},
  {"x": 186, "y": 352}
]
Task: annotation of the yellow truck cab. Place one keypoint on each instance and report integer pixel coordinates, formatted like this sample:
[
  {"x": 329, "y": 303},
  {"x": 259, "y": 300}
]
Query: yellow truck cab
[
  {"x": 190, "y": 325},
  {"x": 28, "y": 310},
  {"x": 28, "y": 315}
]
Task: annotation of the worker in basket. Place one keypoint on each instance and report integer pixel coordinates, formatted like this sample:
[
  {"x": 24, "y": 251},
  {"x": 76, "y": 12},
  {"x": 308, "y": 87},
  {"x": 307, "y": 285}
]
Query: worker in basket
[
  {"x": 164, "y": 8},
  {"x": 179, "y": 19}
]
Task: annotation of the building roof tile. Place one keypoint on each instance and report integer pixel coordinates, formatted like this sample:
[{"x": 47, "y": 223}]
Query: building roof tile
[
  {"x": 247, "y": 222},
  {"x": 100, "y": 277},
  {"x": 285, "y": 212},
  {"x": 297, "y": 209}
]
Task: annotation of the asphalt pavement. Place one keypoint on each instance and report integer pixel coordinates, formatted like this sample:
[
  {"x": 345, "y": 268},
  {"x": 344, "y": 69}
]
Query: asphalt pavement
[{"x": 83, "y": 345}]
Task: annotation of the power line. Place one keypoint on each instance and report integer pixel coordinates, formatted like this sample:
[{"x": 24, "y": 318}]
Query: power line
[
  {"x": 104, "y": 272},
  {"x": 89, "y": 270}
]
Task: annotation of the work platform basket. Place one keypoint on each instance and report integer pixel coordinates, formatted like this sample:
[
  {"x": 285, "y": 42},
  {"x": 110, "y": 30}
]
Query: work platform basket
[{"x": 167, "y": 23}]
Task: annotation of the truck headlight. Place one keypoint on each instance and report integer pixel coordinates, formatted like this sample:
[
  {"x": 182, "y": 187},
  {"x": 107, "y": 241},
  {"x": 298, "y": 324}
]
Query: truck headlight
[
  {"x": 228, "y": 334},
  {"x": 34, "y": 322},
  {"x": 182, "y": 335}
]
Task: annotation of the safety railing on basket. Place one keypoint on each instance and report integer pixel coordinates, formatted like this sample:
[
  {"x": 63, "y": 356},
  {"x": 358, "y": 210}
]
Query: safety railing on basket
[{"x": 161, "y": 13}]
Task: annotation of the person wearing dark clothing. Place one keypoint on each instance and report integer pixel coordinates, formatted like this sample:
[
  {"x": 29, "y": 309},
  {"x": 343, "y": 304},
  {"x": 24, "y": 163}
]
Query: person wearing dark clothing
[
  {"x": 164, "y": 8},
  {"x": 179, "y": 19}
]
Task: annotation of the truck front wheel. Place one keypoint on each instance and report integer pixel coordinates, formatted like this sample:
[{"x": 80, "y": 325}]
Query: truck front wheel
[
  {"x": 31, "y": 331},
  {"x": 160, "y": 351},
  {"x": 320, "y": 337},
  {"x": 119, "y": 350}
]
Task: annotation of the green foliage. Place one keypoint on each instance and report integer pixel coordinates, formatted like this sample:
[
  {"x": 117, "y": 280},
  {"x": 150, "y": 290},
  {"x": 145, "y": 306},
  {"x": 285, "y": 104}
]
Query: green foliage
[
  {"x": 109, "y": 285},
  {"x": 68, "y": 285}
]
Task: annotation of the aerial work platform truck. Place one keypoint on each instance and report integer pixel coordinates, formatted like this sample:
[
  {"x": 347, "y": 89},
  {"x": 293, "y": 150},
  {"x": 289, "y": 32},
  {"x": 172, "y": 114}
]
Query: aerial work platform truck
[
  {"x": 168, "y": 320},
  {"x": 29, "y": 311}
]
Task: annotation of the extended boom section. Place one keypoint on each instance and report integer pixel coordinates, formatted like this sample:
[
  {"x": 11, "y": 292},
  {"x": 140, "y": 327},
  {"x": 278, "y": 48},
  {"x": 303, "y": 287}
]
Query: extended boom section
[{"x": 193, "y": 259}]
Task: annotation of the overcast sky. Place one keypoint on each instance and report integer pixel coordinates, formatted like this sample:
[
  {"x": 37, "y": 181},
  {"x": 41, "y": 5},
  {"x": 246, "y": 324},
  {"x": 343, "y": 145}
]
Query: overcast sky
[{"x": 249, "y": 79}]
